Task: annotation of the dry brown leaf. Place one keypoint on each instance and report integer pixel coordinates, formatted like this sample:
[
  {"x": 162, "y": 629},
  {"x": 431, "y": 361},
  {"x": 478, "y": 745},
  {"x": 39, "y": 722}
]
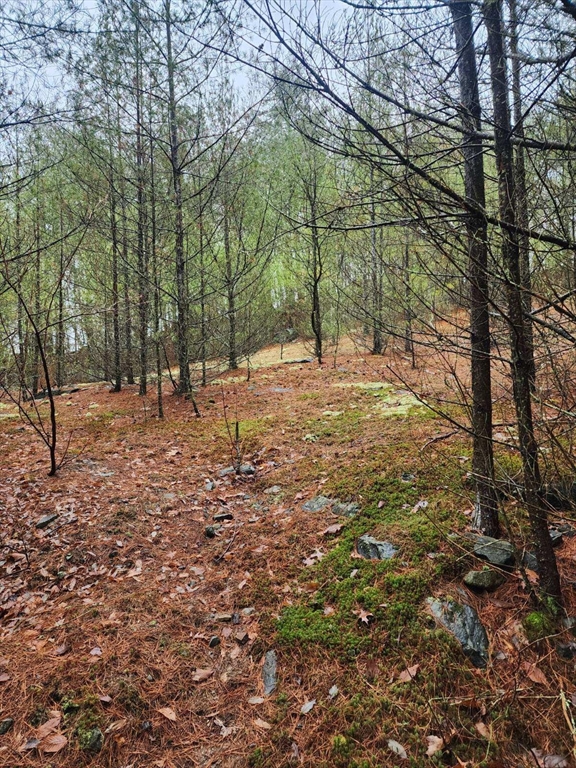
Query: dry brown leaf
[
  {"x": 256, "y": 700},
  {"x": 48, "y": 727},
  {"x": 53, "y": 743},
  {"x": 534, "y": 673},
  {"x": 60, "y": 650},
  {"x": 116, "y": 726},
  {"x": 363, "y": 615},
  {"x": 168, "y": 712},
  {"x": 202, "y": 674},
  {"x": 262, "y": 724},
  {"x": 4, "y": 677},
  {"x": 435, "y": 744},
  {"x": 408, "y": 674},
  {"x": 336, "y": 528},
  {"x": 482, "y": 729}
]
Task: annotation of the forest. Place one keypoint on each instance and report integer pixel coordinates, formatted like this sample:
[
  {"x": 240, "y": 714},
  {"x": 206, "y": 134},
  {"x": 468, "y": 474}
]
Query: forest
[{"x": 288, "y": 383}]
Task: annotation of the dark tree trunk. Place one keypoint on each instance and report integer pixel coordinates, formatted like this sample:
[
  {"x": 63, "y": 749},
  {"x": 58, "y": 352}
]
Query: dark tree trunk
[
  {"x": 486, "y": 512},
  {"x": 521, "y": 351},
  {"x": 182, "y": 300}
]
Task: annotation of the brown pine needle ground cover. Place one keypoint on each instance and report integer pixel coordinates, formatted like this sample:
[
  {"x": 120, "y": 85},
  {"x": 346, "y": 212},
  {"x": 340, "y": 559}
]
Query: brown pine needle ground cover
[{"x": 130, "y": 638}]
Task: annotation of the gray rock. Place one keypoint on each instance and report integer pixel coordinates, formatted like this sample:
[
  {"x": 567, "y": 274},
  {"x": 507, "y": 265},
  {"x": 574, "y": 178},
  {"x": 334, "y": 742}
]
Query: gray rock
[
  {"x": 496, "y": 551},
  {"x": 273, "y": 489},
  {"x": 6, "y": 725},
  {"x": 300, "y": 360},
  {"x": 227, "y": 471},
  {"x": 407, "y": 477},
  {"x": 249, "y": 611},
  {"x": 316, "y": 504},
  {"x": 45, "y": 521},
  {"x": 371, "y": 548},
  {"x": 92, "y": 740},
  {"x": 269, "y": 672},
  {"x": 247, "y": 469},
  {"x": 214, "y": 641},
  {"x": 211, "y": 530},
  {"x": 566, "y": 650},
  {"x": 209, "y": 485},
  {"x": 221, "y": 516},
  {"x": 530, "y": 561},
  {"x": 225, "y": 617},
  {"x": 463, "y": 622},
  {"x": 484, "y": 580},
  {"x": 556, "y": 536},
  {"x": 346, "y": 510}
]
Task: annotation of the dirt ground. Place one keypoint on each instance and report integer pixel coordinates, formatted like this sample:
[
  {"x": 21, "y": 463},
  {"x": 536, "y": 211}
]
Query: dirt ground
[{"x": 134, "y": 627}]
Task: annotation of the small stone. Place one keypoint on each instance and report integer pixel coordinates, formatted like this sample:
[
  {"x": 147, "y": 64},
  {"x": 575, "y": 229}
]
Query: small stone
[
  {"x": 464, "y": 623},
  {"x": 316, "y": 504},
  {"x": 273, "y": 489},
  {"x": 566, "y": 650},
  {"x": 247, "y": 469},
  {"x": 45, "y": 521},
  {"x": 226, "y": 472},
  {"x": 407, "y": 477},
  {"x": 146, "y": 726},
  {"x": 6, "y": 725},
  {"x": 222, "y": 516},
  {"x": 530, "y": 561},
  {"x": 209, "y": 485},
  {"x": 269, "y": 672},
  {"x": 497, "y": 551},
  {"x": 372, "y": 549},
  {"x": 210, "y": 531},
  {"x": 241, "y": 637},
  {"x": 236, "y": 618},
  {"x": 249, "y": 611},
  {"x": 225, "y": 617},
  {"x": 346, "y": 510},
  {"x": 484, "y": 580},
  {"x": 569, "y": 622},
  {"x": 214, "y": 641},
  {"x": 556, "y": 536},
  {"x": 92, "y": 740}
]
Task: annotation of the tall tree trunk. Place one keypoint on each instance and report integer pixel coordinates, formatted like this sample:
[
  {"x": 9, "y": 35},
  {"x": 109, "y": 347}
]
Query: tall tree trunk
[
  {"x": 115, "y": 287},
  {"x": 126, "y": 276},
  {"x": 182, "y": 301},
  {"x": 60, "y": 337},
  {"x": 230, "y": 293},
  {"x": 142, "y": 255},
  {"x": 520, "y": 182},
  {"x": 486, "y": 507},
  {"x": 376, "y": 274},
  {"x": 521, "y": 352},
  {"x": 155, "y": 274}
]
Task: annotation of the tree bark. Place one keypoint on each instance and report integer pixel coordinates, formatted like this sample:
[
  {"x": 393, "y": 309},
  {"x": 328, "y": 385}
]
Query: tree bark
[
  {"x": 486, "y": 507},
  {"x": 521, "y": 352}
]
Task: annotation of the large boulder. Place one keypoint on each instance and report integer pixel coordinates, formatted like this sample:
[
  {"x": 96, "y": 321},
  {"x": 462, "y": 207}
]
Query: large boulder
[{"x": 497, "y": 551}]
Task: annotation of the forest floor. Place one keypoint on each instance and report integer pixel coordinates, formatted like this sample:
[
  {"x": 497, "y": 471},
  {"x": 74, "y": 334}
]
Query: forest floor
[{"x": 129, "y": 637}]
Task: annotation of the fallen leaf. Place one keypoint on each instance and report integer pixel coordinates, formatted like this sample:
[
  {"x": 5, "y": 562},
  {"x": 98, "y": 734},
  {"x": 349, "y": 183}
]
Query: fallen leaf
[
  {"x": 168, "y": 712},
  {"x": 482, "y": 729},
  {"x": 408, "y": 674},
  {"x": 48, "y": 727},
  {"x": 534, "y": 673},
  {"x": 30, "y": 744},
  {"x": 256, "y": 700},
  {"x": 305, "y": 708},
  {"x": 333, "y": 692},
  {"x": 336, "y": 528},
  {"x": 53, "y": 743},
  {"x": 96, "y": 651},
  {"x": 262, "y": 724},
  {"x": 549, "y": 761},
  {"x": 116, "y": 726},
  {"x": 105, "y": 699},
  {"x": 60, "y": 650},
  {"x": 4, "y": 677},
  {"x": 363, "y": 615},
  {"x": 435, "y": 744},
  {"x": 398, "y": 749},
  {"x": 202, "y": 674}
]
